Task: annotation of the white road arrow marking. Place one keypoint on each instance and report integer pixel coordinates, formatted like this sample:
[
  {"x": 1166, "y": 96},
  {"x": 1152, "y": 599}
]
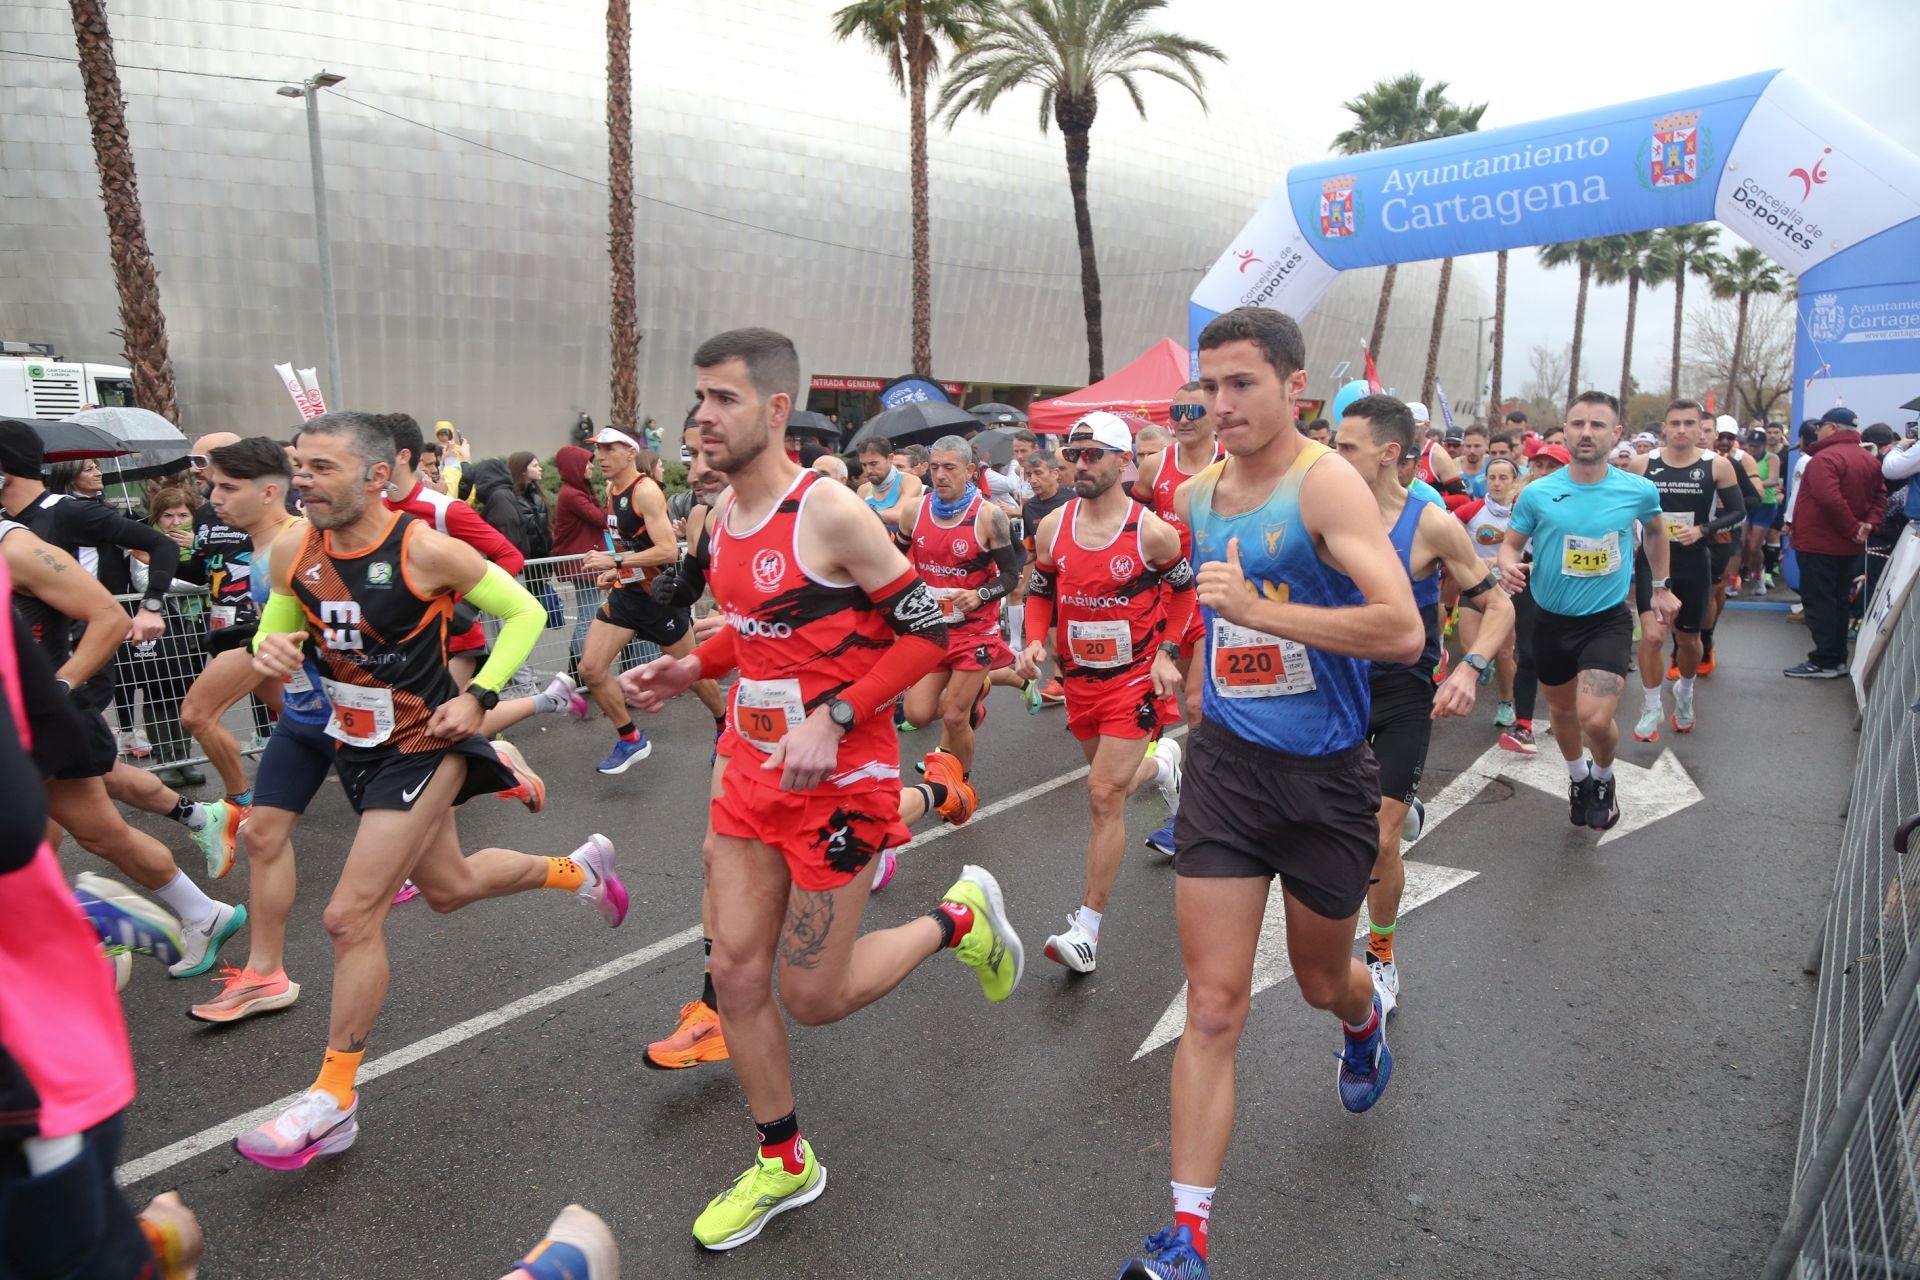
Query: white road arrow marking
[
  {"x": 1646, "y": 794},
  {"x": 1425, "y": 882}
]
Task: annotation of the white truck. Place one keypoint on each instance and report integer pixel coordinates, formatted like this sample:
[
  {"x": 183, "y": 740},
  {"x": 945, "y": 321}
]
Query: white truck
[{"x": 35, "y": 383}]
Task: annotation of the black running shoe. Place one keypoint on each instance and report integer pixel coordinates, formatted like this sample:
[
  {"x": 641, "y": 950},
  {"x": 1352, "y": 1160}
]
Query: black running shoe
[
  {"x": 1604, "y": 810},
  {"x": 1579, "y": 801}
]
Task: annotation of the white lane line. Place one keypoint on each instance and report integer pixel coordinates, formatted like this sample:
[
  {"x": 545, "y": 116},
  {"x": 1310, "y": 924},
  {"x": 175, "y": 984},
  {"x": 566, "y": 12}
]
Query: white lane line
[{"x": 226, "y": 1131}]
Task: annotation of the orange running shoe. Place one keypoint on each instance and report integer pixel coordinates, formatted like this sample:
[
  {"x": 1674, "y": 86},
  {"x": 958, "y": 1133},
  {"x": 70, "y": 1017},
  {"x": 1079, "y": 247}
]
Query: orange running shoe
[
  {"x": 1053, "y": 693},
  {"x": 1673, "y": 672},
  {"x": 962, "y": 799},
  {"x": 245, "y": 993},
  {"x": 1706, "y": 665},
  {"x": 531, "y": 791},
  {"x": 697, "y": 1039}
]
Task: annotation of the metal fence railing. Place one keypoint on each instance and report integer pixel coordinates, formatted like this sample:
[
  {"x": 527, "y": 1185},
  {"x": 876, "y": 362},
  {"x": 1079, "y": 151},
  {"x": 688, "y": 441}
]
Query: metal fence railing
[
  {"x": 151, "y": 679},
  {"x": 1855, "y": 1210}
]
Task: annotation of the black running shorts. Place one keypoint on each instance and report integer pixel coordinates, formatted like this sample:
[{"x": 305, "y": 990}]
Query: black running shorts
[
  {"x": 381, "y": 779},
  {"x": 632, "y": 609},
  {"x": 1722, "y": 554},
  {"x": 1565, "y": 646},
  {"x": 1398, "y": 729},
  {"x": 91, "y": 755},
  {"x": 1691, "y": 569},
  {"x": 1311, "y": 820}
]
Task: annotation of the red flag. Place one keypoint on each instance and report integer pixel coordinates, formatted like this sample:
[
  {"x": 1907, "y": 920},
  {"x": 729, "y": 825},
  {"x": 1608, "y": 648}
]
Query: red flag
[
  {"x": 1373, "y": 375},
  {"x": 1710, "y": 405}
]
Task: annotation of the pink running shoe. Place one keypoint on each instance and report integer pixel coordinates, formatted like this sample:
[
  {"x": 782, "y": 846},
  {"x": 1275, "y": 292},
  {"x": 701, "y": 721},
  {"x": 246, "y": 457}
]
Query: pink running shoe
[
  {"x": 408, "y": 890},
  {"x": 315, "y": 1126},
  {"x": 603, "y": 888},
  {"x": 883, "y": 868}
]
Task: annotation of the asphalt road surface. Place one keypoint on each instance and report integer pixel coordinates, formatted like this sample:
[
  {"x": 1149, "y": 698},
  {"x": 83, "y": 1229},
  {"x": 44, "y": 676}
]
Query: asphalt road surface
[{"x": 1600, "y": 1050}]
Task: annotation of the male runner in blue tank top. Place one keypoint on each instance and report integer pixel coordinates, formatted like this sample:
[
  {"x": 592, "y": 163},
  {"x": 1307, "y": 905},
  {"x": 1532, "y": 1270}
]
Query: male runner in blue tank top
[
  {"x": 1376, "y": 437},
  {"x": 1581, "y": 521},
  {"x": 1300, "y": 590}
]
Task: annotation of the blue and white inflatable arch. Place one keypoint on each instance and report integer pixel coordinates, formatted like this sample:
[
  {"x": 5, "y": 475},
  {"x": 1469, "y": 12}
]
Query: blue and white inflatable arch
[{"x": 1810, "y": 185}]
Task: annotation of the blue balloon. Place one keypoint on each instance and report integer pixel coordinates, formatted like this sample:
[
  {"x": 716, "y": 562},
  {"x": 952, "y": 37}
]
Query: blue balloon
[{"x": 1344, "y": 398}]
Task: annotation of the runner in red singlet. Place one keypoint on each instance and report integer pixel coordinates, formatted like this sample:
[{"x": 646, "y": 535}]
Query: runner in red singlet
[
  {"x": 826, "y": 624},
  {"x": 962, "y": 547},
  {"x": 1111, "y": 577}
]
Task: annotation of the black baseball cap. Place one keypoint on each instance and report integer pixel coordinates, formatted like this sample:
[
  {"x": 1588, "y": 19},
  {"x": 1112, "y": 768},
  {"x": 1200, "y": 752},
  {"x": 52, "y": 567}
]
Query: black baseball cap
[
  {"x": 1840, "y": 416},
  {"x": 21, "y": 450}
]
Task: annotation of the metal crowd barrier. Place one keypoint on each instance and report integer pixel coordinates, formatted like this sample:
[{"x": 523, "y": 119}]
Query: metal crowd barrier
[
  {"x": 151, "y": 679},
  {"x": 1855, "y": 1209}
]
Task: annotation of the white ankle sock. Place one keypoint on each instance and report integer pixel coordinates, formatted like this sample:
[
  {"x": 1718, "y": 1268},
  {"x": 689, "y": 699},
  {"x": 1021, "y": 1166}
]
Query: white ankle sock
[
  {"x": 1603, "y": 773},
  {"x": 183, "y": 896},
  {"x": 1652, "y": 697},
  {"x": 1089, "y": 919},
  {"x": 1577, "y": 769},
  {"x": 1683, "y": 687},
  {"x": 196, "y": 819}
]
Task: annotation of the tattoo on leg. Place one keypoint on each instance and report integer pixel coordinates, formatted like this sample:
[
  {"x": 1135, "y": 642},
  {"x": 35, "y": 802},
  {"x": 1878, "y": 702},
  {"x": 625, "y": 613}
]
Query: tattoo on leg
[
  {"x": 1601, "y": 684},
  {"x": 357, "y": 1043},
  {"x": 809, "y": 919}
]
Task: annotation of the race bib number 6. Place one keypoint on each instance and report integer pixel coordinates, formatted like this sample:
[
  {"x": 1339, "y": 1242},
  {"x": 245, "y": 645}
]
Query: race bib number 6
[
  {"x": 1100, "y": 645},
  {"x": 765, "y": 710},
  {"x": 1590, "y": 557},
  {"x": 362, "y": 717}
]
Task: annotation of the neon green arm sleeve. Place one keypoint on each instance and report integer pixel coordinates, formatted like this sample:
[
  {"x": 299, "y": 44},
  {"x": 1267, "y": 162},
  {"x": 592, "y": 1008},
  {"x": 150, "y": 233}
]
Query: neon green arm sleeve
[
  {"x": 522, "y": 619},
  {"x": 283, "y": 613}
]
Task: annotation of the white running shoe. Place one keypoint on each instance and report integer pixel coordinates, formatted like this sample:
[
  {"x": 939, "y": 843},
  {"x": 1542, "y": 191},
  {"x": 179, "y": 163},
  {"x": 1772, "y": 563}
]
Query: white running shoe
[
  {"x": 1074, "y": 948},
  {"x": 1683, "y": 713},
  {"x": 132, "y": 744},
  {"x": 1169, "y": 780},
  {"x": 1415, "y": 822},
  {"x": 201, "y": 940},
  {"x": 315, "y": 1126},
  {"x": 1386, "y": 982},
  {"x": 1647, "y": 727},
  {"x": 603, "y": 888}
]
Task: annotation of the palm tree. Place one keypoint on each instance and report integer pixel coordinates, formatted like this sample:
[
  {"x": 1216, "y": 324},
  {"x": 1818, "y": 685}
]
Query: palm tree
[
  {"x": 908, "y": 34},
  {"x": 1069, "y": 50},
  {"x": 1677, "y": 253},
  {"x": 624, "y": 320},
  {"x": 143, "y": 323},
  {"x": 1624, "y": 257},
  {"x": 1392, "y": 113},
  {"x": 1499, "y": 336},
  {"x": 1741, "y": 274},
  {"x": 1581, "y": 253}
]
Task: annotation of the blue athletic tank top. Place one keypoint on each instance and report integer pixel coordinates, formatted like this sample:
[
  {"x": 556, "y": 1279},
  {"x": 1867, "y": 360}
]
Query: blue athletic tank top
[
  {"x": 301, "y": 699},
  {"x": 881, "y": 501},
  {"x": 1276, "y": 693},
  {"x": 1426, "y": 592}
]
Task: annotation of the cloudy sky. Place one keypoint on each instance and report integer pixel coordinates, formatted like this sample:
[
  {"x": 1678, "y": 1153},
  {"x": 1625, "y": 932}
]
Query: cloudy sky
[{"x": 1528, "y": 61}]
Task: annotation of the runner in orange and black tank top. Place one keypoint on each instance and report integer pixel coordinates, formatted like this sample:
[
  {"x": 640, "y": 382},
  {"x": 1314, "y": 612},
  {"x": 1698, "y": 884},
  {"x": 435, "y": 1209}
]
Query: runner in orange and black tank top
[
  {"x": 810, "y": 640},
  {"x": 627, "y": 530},
  {"x": 1108, "y": 604},
  {"x": 381, "y": 648}
]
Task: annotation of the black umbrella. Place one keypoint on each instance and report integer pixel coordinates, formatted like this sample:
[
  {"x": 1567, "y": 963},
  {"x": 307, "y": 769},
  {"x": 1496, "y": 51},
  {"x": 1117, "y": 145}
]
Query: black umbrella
[
  {"x": 72, "y": 441},
  {"x": 805, "y": 422},
  {"x": 157, "y": 445},
  {"x": 996, "y": 445},
  {"x": 1912, "y": 405},
  {"x": 918, "y": 421},
  {"x": 1000, "y": 415}
]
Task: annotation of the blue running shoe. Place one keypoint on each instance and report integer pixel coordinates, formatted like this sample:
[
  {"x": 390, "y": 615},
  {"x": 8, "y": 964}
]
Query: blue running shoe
[
  {"x": 123, "y": 918},
  {"x": 1366, "y": 1064},
  {"x": 1161, "y": 841},
  {"x": 1167, "y": 1255},
  {"x": 626, "y": 754}
]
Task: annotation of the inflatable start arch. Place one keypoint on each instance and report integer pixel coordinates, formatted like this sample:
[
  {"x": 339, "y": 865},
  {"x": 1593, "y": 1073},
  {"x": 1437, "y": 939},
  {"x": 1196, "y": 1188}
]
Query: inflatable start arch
[{"x": 1828, "y": 198}]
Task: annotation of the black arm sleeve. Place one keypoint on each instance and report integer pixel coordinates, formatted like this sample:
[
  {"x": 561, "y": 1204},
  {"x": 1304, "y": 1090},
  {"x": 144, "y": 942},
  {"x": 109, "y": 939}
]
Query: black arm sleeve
[
  {"x": 679, "y": 586},
  {"x": 1009, "y": 558},
  {"x": 101, "y": 526},
  {"x": 1040, "y": 582},
  {"x": 1733, "y": 509}
]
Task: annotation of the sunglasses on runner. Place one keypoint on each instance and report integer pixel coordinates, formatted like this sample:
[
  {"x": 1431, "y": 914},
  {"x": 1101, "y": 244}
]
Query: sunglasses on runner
[
  {"x": 199, "y": 461},
  {"x": 1087, "y": 454},
  {"x": 1182, "y": 412}
]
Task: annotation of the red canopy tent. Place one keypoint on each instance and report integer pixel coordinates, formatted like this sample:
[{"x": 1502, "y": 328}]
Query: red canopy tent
[{"x": 1144, "y": 389}]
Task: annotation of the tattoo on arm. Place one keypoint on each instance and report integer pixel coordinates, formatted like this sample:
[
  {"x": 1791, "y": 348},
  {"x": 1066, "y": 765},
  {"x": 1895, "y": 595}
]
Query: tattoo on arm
[
  {"x": 52, "y": 563},
  {"x": 1601, "y": 684},
  {"x": 999, "y": 531},
  {"x": 803, "y": 939}
]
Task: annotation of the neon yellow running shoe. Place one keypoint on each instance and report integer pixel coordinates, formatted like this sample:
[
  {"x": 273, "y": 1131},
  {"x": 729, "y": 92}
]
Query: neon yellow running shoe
[
  {"x": 991, "y": 948},
  {"x": 737, "y": 1214}
]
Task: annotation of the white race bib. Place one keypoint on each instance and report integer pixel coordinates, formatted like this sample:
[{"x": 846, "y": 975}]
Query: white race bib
[
  {"x": 945, "y": 596},
  {"x": 1591, "y": 557},
  {"x": 1100, "y": 645},
  {"x": 298, "y": 682},
  {"x": 221, "y": 616},
  {"x": 1253, "y": 664},
  {"x": 765, "y": 710},
  {"x": 362, "y": 717},
  {"x": 1677, "y": 520}
]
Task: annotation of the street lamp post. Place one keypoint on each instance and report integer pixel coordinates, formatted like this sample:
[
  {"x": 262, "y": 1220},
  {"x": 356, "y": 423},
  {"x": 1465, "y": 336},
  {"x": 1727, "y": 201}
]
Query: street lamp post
[
  {"x": 1479, "y": 324},
  {"x": 310, "y": 90}
]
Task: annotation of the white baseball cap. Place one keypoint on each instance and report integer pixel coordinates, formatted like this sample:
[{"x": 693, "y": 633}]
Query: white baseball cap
[
  {"x": 1108, "y": 430},
  {"x": 608, "y": 435},
  {"x": 1419, "y": 412}
]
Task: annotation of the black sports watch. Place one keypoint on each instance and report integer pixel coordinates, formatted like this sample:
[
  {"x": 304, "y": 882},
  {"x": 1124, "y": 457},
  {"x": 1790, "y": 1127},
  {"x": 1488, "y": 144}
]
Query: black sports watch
[
  {"x": 153, "y": 606},
  {"x": 1475, "y": 661},
  {"x": 487, "y": 698},
  {"x": 841, "y": 713},
  {"x": 1171, "y": 649}
]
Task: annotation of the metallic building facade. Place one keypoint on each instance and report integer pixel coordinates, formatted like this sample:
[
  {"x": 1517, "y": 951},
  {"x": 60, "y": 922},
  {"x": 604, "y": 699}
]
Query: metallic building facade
[{"x": 466, "y": 162}]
